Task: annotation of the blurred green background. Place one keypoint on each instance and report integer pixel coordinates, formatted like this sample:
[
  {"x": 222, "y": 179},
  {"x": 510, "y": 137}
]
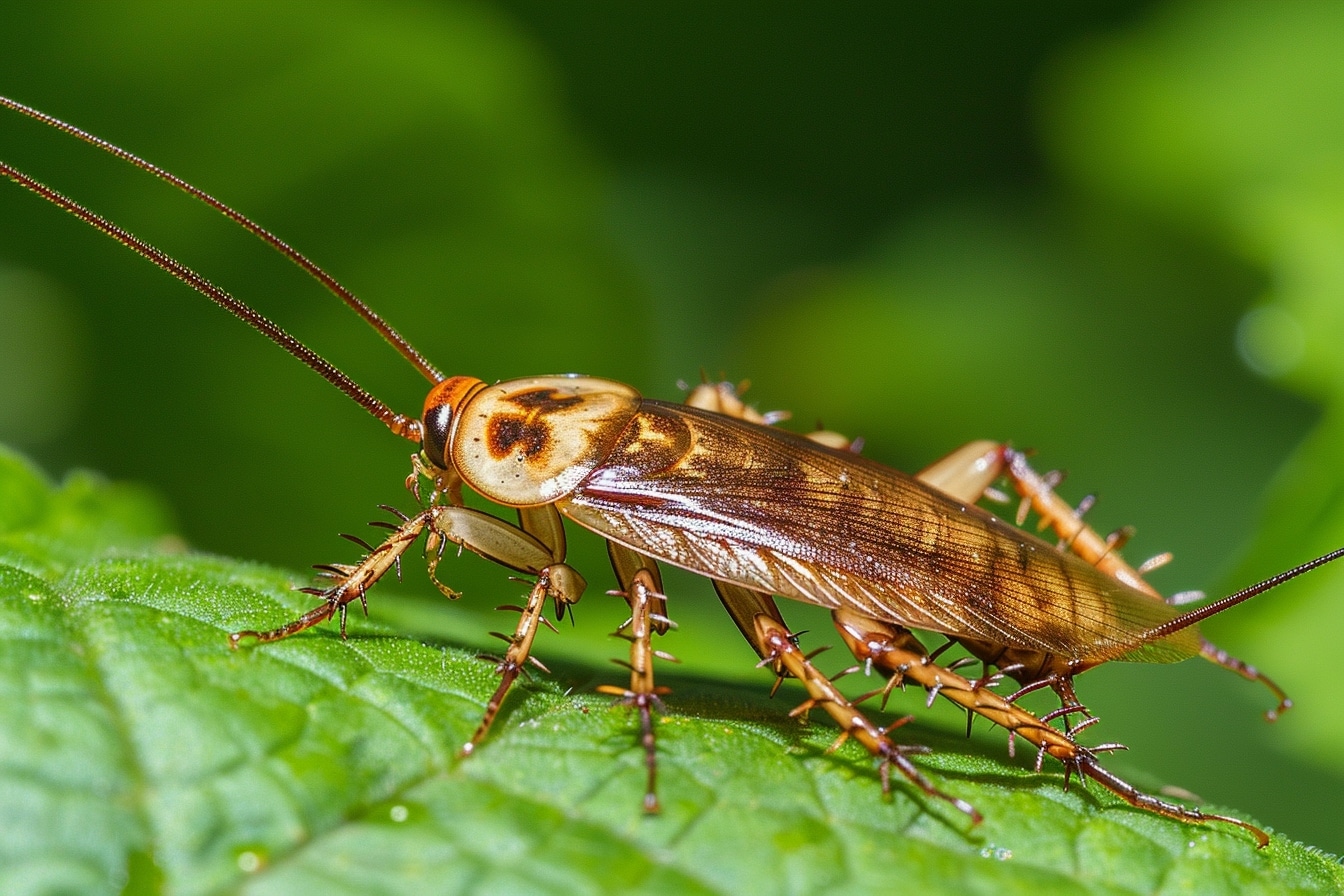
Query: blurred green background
[{"x": 1113, "y": 232}]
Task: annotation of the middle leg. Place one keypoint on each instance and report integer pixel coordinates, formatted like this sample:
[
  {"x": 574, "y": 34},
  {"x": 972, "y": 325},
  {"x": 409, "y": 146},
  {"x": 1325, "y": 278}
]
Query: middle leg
[{"x": 643, "y": 694}]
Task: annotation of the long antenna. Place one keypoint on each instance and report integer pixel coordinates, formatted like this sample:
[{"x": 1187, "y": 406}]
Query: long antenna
[
  {"x": 406, "y": 427},
  {"x": 370, "y": 316}
]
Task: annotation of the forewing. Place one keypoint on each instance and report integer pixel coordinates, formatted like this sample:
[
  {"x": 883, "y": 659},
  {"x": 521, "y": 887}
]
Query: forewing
[{"x": 767, "y": 510}]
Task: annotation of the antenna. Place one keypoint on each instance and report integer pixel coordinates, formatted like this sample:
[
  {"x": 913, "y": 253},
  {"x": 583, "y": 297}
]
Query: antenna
[
  {"x": 1185, "y": 620},
  {"x": 370, "y": 316},
  {"x": 400, "y": 424}
]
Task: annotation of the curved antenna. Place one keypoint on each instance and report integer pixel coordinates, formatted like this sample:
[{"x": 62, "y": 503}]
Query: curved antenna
[
  {"x": 370, "y": 316},
  {"x": 400, "y": 424}
]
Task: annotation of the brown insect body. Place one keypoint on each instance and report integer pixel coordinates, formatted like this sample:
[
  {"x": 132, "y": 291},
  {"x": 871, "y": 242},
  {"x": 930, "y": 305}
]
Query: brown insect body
[
  {"x": 771, "y": 511},
  {"x": 760, "y": 511},
  {"x": 768, "y": 510}
]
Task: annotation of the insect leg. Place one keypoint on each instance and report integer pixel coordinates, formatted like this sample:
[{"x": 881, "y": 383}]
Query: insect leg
[
  {"x": 628, "y": 563},
  {"x": 1102, "y": 552},
  {"x": 544, "y": 524},
  {"x": 894, "y": 650},
  {"x": 535, "y": 547},
  {"x": 479, "y": 532},
  {"x": 483, "y": 534},
  {"x": 823, "y": 693},
  {"x": 1067, "y": 522},
  {"x": 724, "y": 398},
  {"x": 1141, "y": 800},
  {"x": 744, "y": 605},
  {"x": 558, "y": 582},
  {"x": 642, "y": 694},
  {"x": 487, "y": 536},
  {"x": 966, "y": 473},
  {"x": 351, "y": 582}
]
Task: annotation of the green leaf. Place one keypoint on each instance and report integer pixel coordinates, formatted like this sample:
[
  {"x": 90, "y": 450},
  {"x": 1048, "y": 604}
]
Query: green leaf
[{"x": 138, "y": 753}]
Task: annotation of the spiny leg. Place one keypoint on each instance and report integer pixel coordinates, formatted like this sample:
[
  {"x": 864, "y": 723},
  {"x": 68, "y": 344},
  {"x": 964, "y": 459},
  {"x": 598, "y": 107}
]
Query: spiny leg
[
  {"x": 724, "y": 398},
  {"x": 823, "y": 693},
  {"x": 559, "y": 582},
  {"x": 1141, "y": 800},
  {"x": 1215, "y": 654},
  {"x": 761, "y": 623},
  {"x": 743, "y": 606},
  {"x": 969, "y": 473},
  {"x": 1033, "y": 670},
  {"x": 1066, "y": 521},
  {"x": 475, "y": 530},
  {"x": 535, "y": 546},
  {"x": 351, "y": 582},
  {"x": 643, "y": 694},
  {"x": 894, "y": 650},
  {"x": 1103, "y": 552},
  {"x": 627, "y": 564}
]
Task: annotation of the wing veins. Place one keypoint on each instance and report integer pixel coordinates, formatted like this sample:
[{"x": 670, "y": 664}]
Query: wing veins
[{"x": 863, "y": 535}]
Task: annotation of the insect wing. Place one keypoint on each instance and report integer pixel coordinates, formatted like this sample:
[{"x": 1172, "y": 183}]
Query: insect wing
[{"x": 769, "y": 510}]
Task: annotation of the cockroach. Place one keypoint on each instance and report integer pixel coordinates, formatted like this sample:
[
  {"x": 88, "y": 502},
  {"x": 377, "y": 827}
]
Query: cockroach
[{"x": 712, "y": 487}]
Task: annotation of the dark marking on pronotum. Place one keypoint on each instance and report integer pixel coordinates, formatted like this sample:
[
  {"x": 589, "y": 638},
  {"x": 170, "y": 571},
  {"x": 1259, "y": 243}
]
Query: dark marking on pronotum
[
  {"x": 505, "y": 434},
  {"x": 543, "y": 400}
]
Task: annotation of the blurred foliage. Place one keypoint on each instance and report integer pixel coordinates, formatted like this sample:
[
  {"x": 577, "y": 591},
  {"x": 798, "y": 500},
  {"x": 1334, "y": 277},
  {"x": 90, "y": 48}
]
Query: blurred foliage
[
  {"x": 1044, "y": 225},
  {"x": 139, "y": 755},
  {"x": 1223, "y": 120}
]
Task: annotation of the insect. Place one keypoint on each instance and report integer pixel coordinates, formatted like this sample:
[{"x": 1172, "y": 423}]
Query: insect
[{"x": 712, "y": 487}]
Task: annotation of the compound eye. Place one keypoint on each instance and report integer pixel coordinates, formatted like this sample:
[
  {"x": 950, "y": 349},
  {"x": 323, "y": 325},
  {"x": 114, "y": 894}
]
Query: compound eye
[
  {"x": 440, "y": 416},
  {"x": 437, "y": 425}
]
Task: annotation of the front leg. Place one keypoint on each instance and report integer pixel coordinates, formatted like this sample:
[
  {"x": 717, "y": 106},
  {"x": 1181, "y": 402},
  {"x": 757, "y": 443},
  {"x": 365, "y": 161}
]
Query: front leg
[
  {"x": 351, "y": 582},
  {"x": 478, "y": 532},
  {"x": 541, "y": 555}
]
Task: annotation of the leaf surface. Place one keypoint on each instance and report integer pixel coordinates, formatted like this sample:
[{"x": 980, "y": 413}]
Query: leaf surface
[{"x": 139, "y": 754}]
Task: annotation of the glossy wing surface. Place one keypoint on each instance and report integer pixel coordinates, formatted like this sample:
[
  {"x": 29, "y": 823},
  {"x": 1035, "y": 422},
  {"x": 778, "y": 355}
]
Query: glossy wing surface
[{"x": 768, "y": 510}]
